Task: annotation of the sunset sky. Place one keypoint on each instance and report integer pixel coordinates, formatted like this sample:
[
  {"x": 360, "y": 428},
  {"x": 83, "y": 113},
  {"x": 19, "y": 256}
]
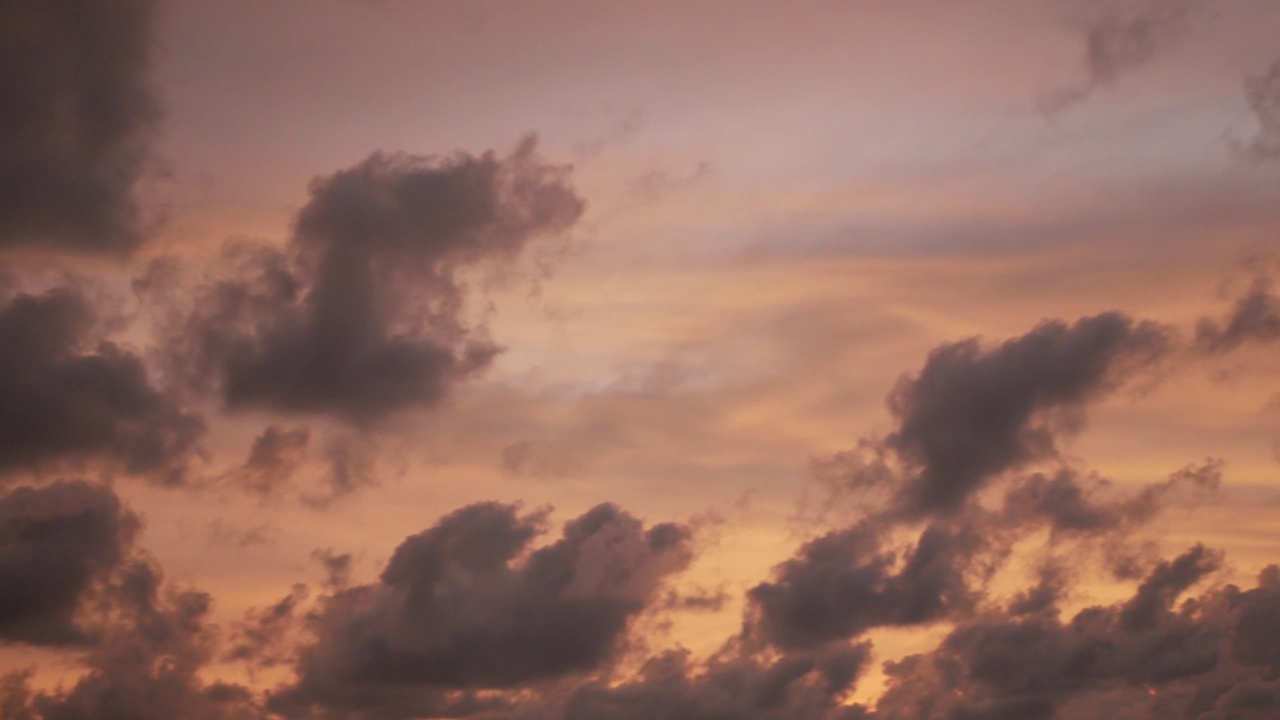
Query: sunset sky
[{"x": 587, "y": 360}]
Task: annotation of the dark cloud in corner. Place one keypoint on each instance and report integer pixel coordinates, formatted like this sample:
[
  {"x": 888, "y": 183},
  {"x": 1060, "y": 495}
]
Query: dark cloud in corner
[
  {"x": 77, "y": 112},
  {"x": 466, "y": 606},
  {"x": 1120, "y": 39},
  {"x": 146, "y": 665},
  {"x": 58, "y": 545},
  {"x": 363, "y": 316},
  {"x": 1209, "y": 658},
  {"x": 68, "y": 399}
]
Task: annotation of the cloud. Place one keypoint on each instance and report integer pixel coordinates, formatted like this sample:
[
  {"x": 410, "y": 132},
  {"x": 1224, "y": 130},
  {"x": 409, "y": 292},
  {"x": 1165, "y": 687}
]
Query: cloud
[
  {"x": 467, "y": 605},
  {"x": 274, "y": 457},
  {"x": 146, "y": 665},
  {"x": 363, "y": 316},
  {"x": 671, "y": 686},
  {"x": 58, "y": 544},
  {"x": 1263, "y": 94},
  {"x": 974, "y": 413},
  {"x": 1255, "y": 317},
  {"x": 67, "y": 399},
  {"x": 76, "y": 123},
  {"x": 846, "y": 582},
  {"x": 1120, "y": 40},
  {"x": 1146, "y": 657},
  {"x": 1068, "y": 502}
]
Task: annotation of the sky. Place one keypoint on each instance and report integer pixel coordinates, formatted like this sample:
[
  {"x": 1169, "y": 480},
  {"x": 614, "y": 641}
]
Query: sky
[{"x": 579, "y": 360}]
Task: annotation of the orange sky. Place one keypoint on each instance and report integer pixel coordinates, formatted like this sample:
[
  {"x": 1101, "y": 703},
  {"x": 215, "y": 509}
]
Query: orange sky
[{"x": 787, "y": 207}]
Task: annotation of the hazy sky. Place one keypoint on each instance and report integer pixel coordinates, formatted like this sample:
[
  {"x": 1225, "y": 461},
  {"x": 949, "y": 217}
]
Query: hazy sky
[{"x": 368, "y": 359}]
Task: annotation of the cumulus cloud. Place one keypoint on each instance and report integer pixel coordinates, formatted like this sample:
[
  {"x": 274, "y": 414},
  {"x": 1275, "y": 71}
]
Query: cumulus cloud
[
  {"x": 973, "y": 413},
  {"x": 77, "y": 119},
  {"x": 58, "y": 545},
  {"x": 363, "y": 314},
  {"x": 68, "y": 399},
  {"x": 467, "y": 605},
  {"x": 1212, "y": 656},
  {"x": 808, "y": 685},
  {"x": 147, "y": 664},
  {"x": 846, "y": 582}
]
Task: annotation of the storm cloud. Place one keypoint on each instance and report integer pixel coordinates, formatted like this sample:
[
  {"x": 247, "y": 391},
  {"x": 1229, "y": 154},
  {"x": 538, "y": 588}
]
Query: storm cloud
[{"x": 76, "y": 121}]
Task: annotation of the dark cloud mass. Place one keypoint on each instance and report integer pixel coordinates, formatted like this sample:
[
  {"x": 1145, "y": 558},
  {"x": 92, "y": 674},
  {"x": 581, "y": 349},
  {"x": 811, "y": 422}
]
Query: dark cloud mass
[
  {"x": 76, "y": 115},
  {"x": 67, "y": 399},
  {"x": 845, "y": 583},
  {"x": 670, "y": 686},
  {"x": 465, "y": 606},
  {"x": 57, "y": 544},
  {"x": 364, "y": 315},
  {"x": 974, "y": 413},
  {"x": 1148, "y": 657}
]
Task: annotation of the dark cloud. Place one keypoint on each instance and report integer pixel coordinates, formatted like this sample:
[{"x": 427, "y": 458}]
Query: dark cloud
[
  {"x": 846, "y": 582},
  {"x": 58, "y": 544},
  {"x": 67, "y": 399},
  {"x": 1255, "y": 317},
  {"x": 1069, "y": 503},
  {"x": 1122, "y": 38},
  {"x": 1263, "y": 94},
  {"x": 974, "y": 413},
  {"x": 363, "y": 316},
  {"x": 1214, "y": 656},
  {"x": 146, "y": 665},
  {"x": 670, "y": 686},
  {"x": 275, "y": 455},
  {"x": 77, "y": 112},
  {"x": 468, "y": 606}
]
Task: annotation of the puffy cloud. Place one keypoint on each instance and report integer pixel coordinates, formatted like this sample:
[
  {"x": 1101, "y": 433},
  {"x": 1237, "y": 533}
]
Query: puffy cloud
[
  {"x": 1147, "y": 657},
  {"x": 363, "y": 315},
  {"x": 67, "y": 399},
  {"x": 846, "y": 582},
  {"x": 146, "y": 665},
  {"x": 467, "y": 606},
  {"x": 75, "y": 125},
  {"x": 670, "y": 686},
  {"x": 58, "y": 546},
  {"x": 973, "y": 413}
]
